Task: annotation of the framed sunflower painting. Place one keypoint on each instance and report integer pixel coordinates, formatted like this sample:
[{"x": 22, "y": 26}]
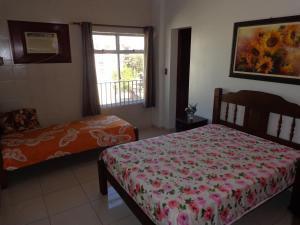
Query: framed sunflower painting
[{"x": 267, "y": 50}]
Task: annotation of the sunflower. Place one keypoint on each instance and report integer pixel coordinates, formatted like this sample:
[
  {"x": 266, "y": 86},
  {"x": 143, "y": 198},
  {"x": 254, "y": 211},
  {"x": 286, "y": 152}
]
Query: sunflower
[
  {"x": 291, "y": 36},
  {"x": 272, "y": 41},
  {"x": 287, "y": 69},
  {"x": 255, "y": 49},
  {"x": 259, "y": 35},
  {"x": 264, "y": 65}
]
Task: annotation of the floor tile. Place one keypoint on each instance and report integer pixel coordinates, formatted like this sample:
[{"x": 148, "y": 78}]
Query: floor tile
[
  {"x": 41, "y": 222},
  {"x": 58, "y": 180},
  {"x": 152, "y": 132},
  {"x": 248, "y": 219},
  {"x": 21, "y": 191},
  {"x": 289, "y": 219},
  {"x": 65, "y": 199},
  {"x": 111, "y": 208},
  {"x": 91, "y": 188},
  {"x": 131, "y": 220},
  {"x": 86, "y": 172},
  {"x": 24, "y": 213},
  {"x": 271, "y": 212},
  {"x": 268, "y": 213},
  {"x": 82, "y": 215}
]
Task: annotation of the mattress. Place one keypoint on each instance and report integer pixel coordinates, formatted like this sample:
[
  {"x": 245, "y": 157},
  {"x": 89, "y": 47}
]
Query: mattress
[
  {"x": 33, "y": 146},
  {"x": 208, "y": 175}
]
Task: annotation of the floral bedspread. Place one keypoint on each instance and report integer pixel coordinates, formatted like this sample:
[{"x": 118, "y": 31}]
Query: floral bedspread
[
  {"x": 21, "y": 149},
  {"x": 208, "y": 175}
]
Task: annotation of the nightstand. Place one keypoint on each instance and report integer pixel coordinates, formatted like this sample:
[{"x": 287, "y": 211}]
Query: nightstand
[{"x": 183, "y": 124}]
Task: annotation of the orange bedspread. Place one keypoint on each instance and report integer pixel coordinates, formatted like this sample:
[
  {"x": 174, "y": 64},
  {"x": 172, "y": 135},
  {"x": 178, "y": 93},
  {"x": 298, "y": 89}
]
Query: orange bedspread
[{"x": 30, "y": 147}]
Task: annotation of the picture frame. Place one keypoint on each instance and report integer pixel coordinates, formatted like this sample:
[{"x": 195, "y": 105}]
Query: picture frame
[
  {"x": 36, "y": 42},
  {"x": 267, "y": 50}
]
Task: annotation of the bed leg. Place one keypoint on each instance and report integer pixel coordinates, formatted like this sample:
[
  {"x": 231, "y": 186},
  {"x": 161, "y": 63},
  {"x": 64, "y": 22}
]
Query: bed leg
[
  {"x": 102, "y": 177},
  {"x": 136, "y": 132},
  {"x": 295, "y": 200},
  {"x": 3, "y": 179}
]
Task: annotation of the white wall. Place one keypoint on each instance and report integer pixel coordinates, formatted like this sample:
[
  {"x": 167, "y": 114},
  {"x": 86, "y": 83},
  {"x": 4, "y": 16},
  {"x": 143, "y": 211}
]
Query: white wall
[
  {"x": 212, "y": 28},
  {"x": 55, "y": 89}
]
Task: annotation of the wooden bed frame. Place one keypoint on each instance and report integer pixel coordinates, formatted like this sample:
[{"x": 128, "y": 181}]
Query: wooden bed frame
[
  {"x": 4, "y": 174},
  {"x": 258, "y": 106}
]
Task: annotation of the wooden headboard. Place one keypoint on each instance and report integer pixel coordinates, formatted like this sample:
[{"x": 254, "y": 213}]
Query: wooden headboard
[{"x": 257, "y": 109}]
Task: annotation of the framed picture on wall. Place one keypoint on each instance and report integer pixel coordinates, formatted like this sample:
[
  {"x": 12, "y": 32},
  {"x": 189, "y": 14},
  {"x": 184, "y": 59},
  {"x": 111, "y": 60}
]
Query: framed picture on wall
[
  {"x": 267, "y": 50},
  {"x": 34, "y": 42}
]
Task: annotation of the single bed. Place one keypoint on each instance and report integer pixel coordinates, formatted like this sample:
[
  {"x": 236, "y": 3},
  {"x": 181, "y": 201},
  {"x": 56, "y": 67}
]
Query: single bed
[
  {"x": 213, "y": 174},
  {"x": 30, "y": 147}
]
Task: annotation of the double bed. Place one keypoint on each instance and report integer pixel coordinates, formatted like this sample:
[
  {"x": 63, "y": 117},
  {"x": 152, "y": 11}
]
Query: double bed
[{"x": 209, "y": 175}]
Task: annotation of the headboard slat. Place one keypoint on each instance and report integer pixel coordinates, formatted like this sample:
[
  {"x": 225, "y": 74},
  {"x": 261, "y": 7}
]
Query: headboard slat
[
  {"x": 279, "y": 126},
  {"x": 235, "y": 113},
  {"x": 227, "y": 112},
  {"x": 293, "y": 129}
]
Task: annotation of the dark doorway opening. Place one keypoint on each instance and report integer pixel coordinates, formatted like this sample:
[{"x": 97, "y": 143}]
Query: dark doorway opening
[{"x": 183, "y": 71}]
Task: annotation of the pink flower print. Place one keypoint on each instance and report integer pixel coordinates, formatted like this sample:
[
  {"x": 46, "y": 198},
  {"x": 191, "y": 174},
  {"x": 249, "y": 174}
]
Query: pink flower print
[
  {"x": 228, "y": 176},
  {"x": 263, "y": 182},
  {"x": 238, "y": 194},
  {"x": 126, "y": 174},
  {"x": 165, "y": 172},
  {"x": 156, "y": 194},
  {"x": 156, "y": 184},
  {"x": 273, "y": 186},
  {"x": 141, "y": 176},
  {"x": 215, "y": 178},
  {"x": 203, "y": 188},
  {"x": 236, "y": 166},
  {"x": 224, "y": 189},
  {"x": 167, "y": 187},
  {"x": 188, "y": 191},
  {"x": 216, "y": 198},
  {"x": 191, "y": 162},
  {"x": 283, "y": 171},
  {"x": 111, "y": 161},
  {"x": 159, "y": 214},
  {"x": 208, "y": 161},
  {"x": 208, "y": 214},
  {"x": 183, "y": 219},
  {"x": 185, "y": 171},
  {"x": 224, "y": 215},
  {"x": 201, "y": 201},
  {"x": 258, "y": 158},
  {"x": 249, "y": 177},
  {"x": 195, "y": 174},
  {"x": 194, "y": 207},
  {"x": 173, "y": 204},
  {"x": 241, "y": 182},
  {"x": 250, "y": 197},
  {"x": 125, "y": 156}
]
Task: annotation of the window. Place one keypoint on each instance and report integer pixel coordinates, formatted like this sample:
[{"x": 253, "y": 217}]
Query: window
[{"x": 119, "y": 60}]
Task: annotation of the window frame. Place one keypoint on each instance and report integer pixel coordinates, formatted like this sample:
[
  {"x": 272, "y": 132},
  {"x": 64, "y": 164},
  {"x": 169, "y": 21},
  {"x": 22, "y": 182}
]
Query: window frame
[{"x": 119, "y": 52}]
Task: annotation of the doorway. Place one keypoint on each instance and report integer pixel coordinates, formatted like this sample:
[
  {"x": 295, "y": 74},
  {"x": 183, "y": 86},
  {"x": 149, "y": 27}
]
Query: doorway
[{"x": 183, "y": 71}]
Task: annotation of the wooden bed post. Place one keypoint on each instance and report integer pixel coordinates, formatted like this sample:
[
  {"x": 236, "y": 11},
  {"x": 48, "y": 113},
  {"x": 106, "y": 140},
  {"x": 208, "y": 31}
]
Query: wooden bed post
[
  {"x": 295, "y": 199},
  {"x": 136, "y": 132},
  {"x": 217, "y": 105},
  {"x": 102, "y": 177},
  {"x": 3, "y": 174}
]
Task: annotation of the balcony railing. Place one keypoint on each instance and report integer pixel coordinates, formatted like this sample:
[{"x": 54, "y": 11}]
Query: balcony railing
[{"x": 118, "y": 93}]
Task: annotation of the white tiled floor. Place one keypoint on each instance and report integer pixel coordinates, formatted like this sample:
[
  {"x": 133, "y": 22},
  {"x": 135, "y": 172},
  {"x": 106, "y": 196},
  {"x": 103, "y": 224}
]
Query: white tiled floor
[{"x": 67, "y": 193}]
